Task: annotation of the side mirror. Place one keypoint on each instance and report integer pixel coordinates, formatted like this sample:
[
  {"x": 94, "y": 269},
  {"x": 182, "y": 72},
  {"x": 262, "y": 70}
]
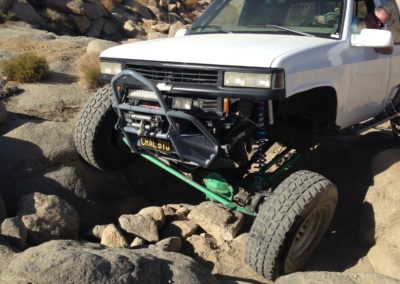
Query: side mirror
[
  {"x": 181, "y": 32},
  {"x": 372, "y": 38}
]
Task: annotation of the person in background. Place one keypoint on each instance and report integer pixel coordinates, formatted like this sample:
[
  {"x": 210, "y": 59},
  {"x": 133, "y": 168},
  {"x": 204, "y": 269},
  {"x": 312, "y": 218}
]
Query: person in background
[
  {"x": 374, "y": 20},
  {"x": 378, "y": 18}
]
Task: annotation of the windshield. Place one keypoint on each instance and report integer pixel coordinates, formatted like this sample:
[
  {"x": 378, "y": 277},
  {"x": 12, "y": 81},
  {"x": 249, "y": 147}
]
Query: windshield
[{"x": 321, "y": 18}]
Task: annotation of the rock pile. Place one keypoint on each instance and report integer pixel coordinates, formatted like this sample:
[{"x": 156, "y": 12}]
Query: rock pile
[
  {"x": 109, "y": 19},
  {"x": 168, "y": 226}
]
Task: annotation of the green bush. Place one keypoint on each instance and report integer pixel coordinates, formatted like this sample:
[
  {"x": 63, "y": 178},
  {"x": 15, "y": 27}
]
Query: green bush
[
  {"x": 89, "y": 70},
  {"x": 7, "y": 17},
  {"x": 26, "y": 68}
]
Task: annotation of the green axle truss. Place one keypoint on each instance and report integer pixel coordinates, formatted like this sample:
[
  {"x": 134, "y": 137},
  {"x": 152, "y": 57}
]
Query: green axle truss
[{"x": 217, "y": 188}]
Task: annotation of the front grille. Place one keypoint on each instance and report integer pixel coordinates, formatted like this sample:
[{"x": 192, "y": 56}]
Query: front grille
[{"x": 176, "y": 74}]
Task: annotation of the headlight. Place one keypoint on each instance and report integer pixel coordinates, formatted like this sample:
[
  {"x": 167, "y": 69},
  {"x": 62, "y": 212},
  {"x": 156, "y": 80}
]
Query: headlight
[
  {"x": 182, "y": 103},
  {"x": 110, "y": 68},
  {"x": 254, "y": 80}
]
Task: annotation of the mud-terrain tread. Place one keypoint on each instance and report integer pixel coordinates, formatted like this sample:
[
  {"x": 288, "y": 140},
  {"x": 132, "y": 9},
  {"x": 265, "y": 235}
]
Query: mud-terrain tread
[
  {"x": 277, "y": 215},
  {"x": 91, "y": 119}
]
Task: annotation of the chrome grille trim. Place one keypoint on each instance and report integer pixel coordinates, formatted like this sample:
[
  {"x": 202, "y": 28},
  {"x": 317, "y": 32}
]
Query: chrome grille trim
[{"x": 176, "y": 74}]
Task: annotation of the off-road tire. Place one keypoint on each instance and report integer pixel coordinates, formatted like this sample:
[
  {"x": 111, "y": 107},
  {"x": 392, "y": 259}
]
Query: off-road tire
[
  {"x": 95, "y": 136},
  {"x": 304, "y": 198}
]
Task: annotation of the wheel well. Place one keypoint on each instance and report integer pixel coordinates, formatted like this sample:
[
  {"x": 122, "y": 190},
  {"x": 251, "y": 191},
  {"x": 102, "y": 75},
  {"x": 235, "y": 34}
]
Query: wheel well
[{"x": 316, "y": 108}]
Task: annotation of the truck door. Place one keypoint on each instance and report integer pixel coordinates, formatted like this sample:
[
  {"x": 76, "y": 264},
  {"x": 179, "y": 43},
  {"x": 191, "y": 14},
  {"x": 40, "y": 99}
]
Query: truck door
[
  {"x": 369, "y": 75},
  {"x": 394, "y": 27}
]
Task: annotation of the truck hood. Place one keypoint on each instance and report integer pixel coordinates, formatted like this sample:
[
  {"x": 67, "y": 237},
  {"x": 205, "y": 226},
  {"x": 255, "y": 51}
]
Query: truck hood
[{"x": 253, "y": 50}]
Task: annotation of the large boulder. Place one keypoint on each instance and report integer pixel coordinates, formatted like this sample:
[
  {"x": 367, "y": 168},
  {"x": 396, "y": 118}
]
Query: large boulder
[
  {"x": 82, "y": 23},
  {"x": 46, "y": 101},
  {"x": 53, "y": 144},
  {"x": 42, "y": 157},
  {"x": 335, "y": 277},
  {"x": 25, "y": 12},
  {"x": 96, "y": 27},
  {"x": 94, "y": 10},
  {"x": 156, "y": 213},
  {"x": 48, "y": 217},
  {"x": 141, "y": 226},
  {"x": 381, "y": 214},
  {"x": 99, "y": 45},
  {"x": 97, "y": 231},
  {"x": 74, "y": 262},
  {"x": 217, "y": 220},
  {"x": 173, "y": 244},
  {"x": 138, "y": 8},
  {"x": 67, "y": 6},
  {"x": 112, "y": 237},
  {"x": 179, "y": 228}
]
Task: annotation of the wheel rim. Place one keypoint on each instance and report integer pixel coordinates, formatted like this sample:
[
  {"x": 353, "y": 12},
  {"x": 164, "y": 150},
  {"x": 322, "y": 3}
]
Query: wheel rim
[{"x": 305, "y": 240}]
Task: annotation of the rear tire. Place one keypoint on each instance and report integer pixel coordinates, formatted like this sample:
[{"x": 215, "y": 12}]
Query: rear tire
[
  {"x": 95, "y": 137},
  {"x": 290, "y": 224}
]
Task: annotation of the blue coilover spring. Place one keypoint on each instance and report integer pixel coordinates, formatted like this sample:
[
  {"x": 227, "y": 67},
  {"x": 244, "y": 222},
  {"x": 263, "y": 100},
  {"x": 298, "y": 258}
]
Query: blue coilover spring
[{"x": 262, "y": 142}]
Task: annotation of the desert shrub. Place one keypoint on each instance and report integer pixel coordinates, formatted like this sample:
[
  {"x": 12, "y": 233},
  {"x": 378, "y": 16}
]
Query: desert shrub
[
  {"x": 89, "y": 70},
  {"x": 7, "y": 17},
  {"x": 26, "y": 68}
]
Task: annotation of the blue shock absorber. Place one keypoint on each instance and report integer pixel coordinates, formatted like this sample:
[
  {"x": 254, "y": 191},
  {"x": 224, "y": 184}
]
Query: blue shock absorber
[{"x": 262, "y": 144}]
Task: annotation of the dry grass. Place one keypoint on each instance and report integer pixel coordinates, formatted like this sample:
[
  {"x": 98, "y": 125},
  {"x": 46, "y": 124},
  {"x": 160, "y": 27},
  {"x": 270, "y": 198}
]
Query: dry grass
[
  {"x": 26, "y": 68},
  {"x": 89, "y": 70}
]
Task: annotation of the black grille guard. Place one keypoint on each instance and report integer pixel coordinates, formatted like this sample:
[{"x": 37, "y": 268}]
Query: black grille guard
[{"x": 200, "y": 149}]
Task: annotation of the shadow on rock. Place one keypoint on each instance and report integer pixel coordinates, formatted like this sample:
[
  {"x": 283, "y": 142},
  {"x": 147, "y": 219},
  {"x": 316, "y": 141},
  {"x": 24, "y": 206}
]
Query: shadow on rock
[
  {"x": 41, "y": 158},
  {"x": 14, "y": 120},
  {"x": 160, "y": 187},
  {"x": 18, "y": 160},
  {"x": 61, "y": 78}
]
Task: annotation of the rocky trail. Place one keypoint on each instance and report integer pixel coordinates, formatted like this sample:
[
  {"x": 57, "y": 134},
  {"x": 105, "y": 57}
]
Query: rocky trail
[{"x": 64, "y": 222}]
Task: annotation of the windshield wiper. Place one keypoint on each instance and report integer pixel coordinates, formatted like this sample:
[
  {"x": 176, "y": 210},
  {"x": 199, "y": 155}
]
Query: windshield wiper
[
  {"x": 214, "y": 27},
  {"x": 282, "y": 28}
]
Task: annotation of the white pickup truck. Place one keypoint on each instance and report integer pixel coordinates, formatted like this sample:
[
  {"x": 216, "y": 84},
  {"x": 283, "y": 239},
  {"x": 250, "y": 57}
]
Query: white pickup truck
[{"x": 209, "y": 102}]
